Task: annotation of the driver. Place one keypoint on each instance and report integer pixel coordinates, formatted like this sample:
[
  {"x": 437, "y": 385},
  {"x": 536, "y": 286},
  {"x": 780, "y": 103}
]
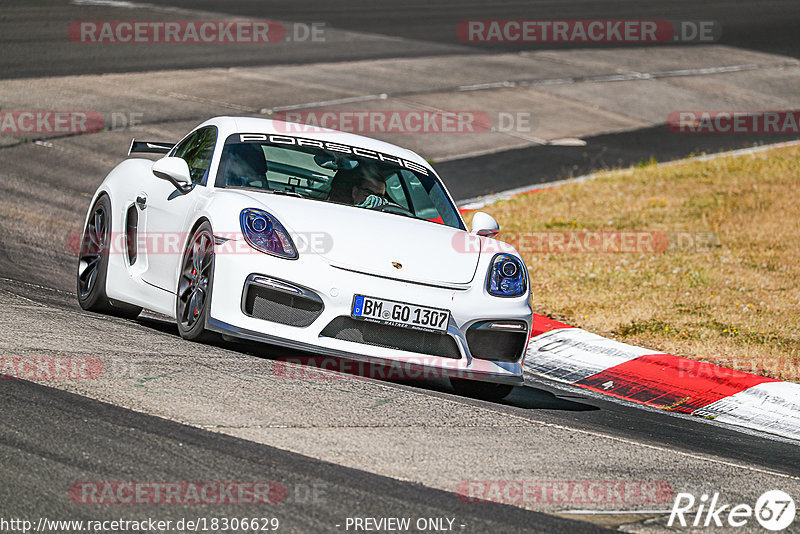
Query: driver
[
  {"x": 369, "y": 193},
  {"x": 363, "y": 187}
]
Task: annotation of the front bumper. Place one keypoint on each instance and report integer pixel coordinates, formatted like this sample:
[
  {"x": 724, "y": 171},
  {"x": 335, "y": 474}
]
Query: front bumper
[{"x": 336, "y": 288}]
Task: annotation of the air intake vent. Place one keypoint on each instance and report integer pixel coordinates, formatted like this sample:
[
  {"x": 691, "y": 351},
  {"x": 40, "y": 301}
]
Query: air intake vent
[
  {"x": 131, "y": 229},
  {"x": 490, "y": 340},
  {"x": 281, "y": 303}
]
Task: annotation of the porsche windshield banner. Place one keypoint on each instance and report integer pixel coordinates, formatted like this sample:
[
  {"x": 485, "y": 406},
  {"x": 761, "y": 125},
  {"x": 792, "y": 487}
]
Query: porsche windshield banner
[{"x": 333, "y": 147}]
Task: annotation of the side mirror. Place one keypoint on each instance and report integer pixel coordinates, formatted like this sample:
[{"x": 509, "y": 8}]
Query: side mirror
[
  {"x": 484, "y": 225},
  {"x": 175, "y": 170}
]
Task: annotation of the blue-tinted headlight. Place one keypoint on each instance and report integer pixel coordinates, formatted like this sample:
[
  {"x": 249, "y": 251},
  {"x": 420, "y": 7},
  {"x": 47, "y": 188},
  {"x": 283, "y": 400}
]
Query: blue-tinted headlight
[
  {"x": 263, "y": 232},
  {"x": 507, "y": 277}
]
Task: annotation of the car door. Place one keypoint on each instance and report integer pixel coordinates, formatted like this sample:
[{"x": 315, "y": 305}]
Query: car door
[{"x": 168, "y": 210}]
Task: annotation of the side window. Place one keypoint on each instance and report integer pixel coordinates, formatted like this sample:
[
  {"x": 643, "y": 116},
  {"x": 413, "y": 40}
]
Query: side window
[
  {"x": 426, "y": 202},
  {"x": 197, "y": 150},
  {"x": 420, "y": 197}
]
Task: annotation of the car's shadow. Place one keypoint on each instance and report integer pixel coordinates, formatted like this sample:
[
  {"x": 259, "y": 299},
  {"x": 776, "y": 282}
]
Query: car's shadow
[
  {"x": 535, "y": 398},
  {"x": 310, "y": 365},
  {"x": 528, "y": 396}
]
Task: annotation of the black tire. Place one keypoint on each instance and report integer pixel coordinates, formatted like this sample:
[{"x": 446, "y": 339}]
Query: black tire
[
  {"x": 488, "y": 391},
  {"x": 93, "y": 264},
  {"x": 193, "y": 296}
]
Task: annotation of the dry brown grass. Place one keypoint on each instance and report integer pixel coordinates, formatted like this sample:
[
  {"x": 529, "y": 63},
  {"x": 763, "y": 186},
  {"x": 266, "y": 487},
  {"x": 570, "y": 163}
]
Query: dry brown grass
[{"x": 734, "y": 303}]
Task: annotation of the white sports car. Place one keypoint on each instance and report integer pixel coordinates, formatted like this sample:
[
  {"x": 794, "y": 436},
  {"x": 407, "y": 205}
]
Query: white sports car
[{"x": 321, "y": 241}]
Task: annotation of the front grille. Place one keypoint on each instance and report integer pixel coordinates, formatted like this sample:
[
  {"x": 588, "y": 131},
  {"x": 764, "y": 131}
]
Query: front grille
[
  {"x": 495, "y": 345},
  {"x": 392, "y": 337},
  {"x": 280, "y": 307}
]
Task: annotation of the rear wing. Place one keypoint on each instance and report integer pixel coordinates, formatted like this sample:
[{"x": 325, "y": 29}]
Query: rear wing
[{"x": 149, "y": 147}]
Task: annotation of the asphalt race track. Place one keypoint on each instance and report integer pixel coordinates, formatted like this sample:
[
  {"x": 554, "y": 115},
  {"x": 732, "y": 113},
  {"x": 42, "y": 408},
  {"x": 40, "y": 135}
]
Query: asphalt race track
[
  {"x": 415, "y": 28},
  {"x": 149, "y": 448},
  {"x": 165, "y": 409}
]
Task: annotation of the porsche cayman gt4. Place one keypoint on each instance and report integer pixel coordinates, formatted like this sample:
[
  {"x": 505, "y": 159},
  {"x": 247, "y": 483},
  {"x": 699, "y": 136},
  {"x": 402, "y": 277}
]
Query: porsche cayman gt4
[{"x": 322, "y": 241}]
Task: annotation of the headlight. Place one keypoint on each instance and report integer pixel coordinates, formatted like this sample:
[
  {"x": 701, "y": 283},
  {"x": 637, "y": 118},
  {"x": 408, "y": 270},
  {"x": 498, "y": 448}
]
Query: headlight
[
  {"x": 506, "y": 276},
  {"x": 264, "y": 233}
]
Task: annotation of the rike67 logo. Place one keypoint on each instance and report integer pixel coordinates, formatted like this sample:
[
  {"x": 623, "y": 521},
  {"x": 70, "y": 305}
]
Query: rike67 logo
[{"x": 774, "y": 510}]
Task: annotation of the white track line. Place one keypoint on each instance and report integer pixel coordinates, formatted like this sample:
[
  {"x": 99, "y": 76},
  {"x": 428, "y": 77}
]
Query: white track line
[
  {"x": 320, "y": 103},
  {"x": 628, "y": 76}
]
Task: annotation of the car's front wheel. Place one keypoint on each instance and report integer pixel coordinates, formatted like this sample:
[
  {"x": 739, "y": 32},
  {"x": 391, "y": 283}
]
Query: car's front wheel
[
  {"x": 93, "y": 259},
  {"x": 194, "y": 286},
  {"x": 481, "y": 390}
]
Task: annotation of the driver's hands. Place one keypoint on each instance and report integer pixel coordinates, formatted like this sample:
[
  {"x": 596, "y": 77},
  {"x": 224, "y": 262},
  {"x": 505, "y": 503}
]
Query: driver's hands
[{"x": 373, "y": 201}]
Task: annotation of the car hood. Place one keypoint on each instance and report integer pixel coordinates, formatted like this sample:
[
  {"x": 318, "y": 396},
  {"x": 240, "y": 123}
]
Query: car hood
[{"x": 376, "y": 243}]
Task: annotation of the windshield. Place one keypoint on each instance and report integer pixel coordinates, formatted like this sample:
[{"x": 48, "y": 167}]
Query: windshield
[{"x": 332, "y": 172}]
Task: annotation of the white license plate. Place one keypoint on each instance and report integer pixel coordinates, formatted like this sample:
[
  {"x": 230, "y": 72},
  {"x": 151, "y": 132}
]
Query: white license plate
[{"x": 400, "y": 314}]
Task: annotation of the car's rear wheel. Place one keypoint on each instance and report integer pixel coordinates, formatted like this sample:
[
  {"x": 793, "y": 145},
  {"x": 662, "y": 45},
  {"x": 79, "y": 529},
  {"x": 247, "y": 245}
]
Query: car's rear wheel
[
  {"x": 93, "y": 261},
  {"x": 194, "y": 286},
  {"x": 481, "y": 390}
]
